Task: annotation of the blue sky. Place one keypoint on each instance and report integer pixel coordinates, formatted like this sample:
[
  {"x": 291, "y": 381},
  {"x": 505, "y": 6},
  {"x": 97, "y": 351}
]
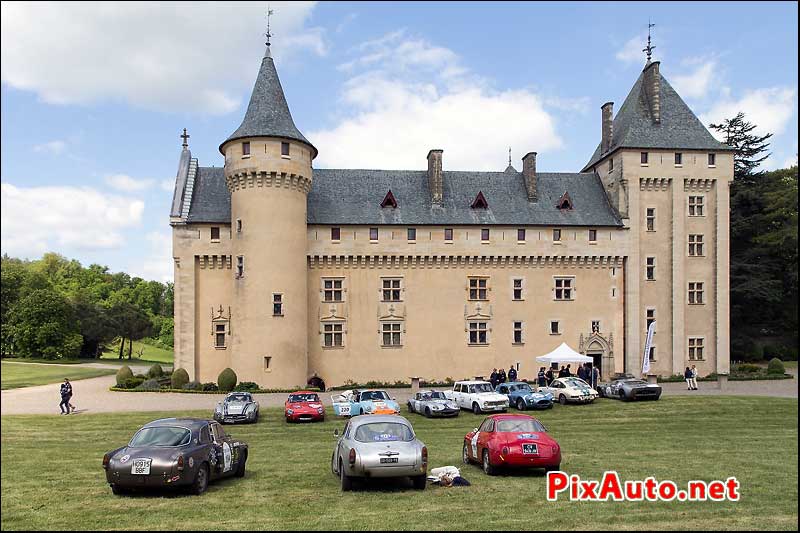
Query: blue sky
[{"x": 95, "y": 95}]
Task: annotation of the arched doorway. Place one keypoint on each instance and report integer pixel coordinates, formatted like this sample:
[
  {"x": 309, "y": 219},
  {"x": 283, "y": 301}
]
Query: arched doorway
[{"x": 601, "y": 350}]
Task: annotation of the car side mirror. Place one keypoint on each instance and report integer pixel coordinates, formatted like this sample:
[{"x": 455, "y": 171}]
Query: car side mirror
[
  {"x": 336, "y": 433},
  {"x": 395, "y": 399},
  {"x": 474, "y": 430}
]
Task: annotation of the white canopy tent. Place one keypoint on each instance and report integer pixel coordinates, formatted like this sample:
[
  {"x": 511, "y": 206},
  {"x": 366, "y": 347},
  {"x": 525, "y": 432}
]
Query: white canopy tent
[{"x": 564, "y": 354}]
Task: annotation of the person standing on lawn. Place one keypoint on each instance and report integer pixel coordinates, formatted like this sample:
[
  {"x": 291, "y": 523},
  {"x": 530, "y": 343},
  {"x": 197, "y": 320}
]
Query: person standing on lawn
[
  {"x": 542, "y": 377},
  {"x": 694, "y": 377},
  {"x": 595, "y": 377},
  {"x": 687, "y": 375},
  {"x": 501, "y": 376},
  {"x": 493, "y": 378},
  {"x": 512, "y": 374},
  {"x": 66, "y": 394},
  {"x": 549, "y": 375}
]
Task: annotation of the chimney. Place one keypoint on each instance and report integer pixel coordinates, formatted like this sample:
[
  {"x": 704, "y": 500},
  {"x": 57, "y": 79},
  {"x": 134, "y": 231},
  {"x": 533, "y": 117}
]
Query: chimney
[
  {"x": 607, "y": 127},
  {"x": 435, "y": 175},
  {"x": 529, "y": 174},
  {"x": 652, "y": 90}
]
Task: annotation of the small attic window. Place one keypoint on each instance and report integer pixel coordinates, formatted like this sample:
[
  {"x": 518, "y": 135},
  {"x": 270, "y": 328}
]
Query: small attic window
[
  {"x": 565, "y": 202},
  {"x": 388, "y": 200},
  {"x": 480, "y": 202}
]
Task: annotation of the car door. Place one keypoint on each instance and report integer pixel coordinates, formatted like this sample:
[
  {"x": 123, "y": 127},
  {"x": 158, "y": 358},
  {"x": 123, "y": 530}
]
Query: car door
[
  {"x": 222, "y": 450},
  {"x": 485, "y": 436},
  {"x": 341, "y": 448}
]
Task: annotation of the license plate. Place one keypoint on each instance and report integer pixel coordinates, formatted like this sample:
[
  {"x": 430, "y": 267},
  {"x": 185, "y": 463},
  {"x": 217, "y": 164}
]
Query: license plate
[
  {"x": 141, "y": 466},
  {"x": 385, "y": 460},
  {"x": 530, "y": 449}
]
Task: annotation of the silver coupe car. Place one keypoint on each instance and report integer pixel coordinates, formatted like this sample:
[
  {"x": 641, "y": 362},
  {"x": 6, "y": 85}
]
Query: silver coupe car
[
  {"x": 237, "y": 407},
  {"x": 379, "y": 446},
  {"x": 432, "y": 403}
]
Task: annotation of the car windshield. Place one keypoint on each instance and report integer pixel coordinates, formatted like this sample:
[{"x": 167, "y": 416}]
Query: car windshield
[
  {"x": 438, "y": 396},
  {"x": 239, "y": 398},
  {"x": 384, "y": 432},
  {"x": 635, "y": 382},
  {"x": 520, "y": 388},
  {"x": 296, "y": 398},
  {"x": 521, "y": 425},
  {"x": 576, "y": 382},
  {"x": 374, "y": 395},
  {"x": 481, "y": 387},
  {"x": 161, "y": 436}
]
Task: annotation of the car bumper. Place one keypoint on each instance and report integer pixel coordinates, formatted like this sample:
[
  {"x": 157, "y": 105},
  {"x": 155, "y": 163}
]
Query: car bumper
[
  {"x": 305, "y": 417},
  {"x": 636, "y": 395},
  {"x": 494, "y": 408},
  {"x": 517, "y": 460},
  {"x": 581, "y": 399},
  {"x": 542, "y": 404},
  {"x": 152, "y": 481},
  {"x": 445, "y": 413},
  {"x": 234, "y": 419},
  {"x": 387, "y": 471}
]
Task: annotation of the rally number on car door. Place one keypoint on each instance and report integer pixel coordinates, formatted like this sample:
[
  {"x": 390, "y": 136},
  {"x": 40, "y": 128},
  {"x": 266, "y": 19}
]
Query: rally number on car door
[
  {"x": 226, "y": 456},
  {"x": 474, "y": 443}
]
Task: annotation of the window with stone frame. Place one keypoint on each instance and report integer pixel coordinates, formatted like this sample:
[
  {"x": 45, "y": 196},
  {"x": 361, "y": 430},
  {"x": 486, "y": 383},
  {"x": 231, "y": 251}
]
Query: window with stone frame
[
  {"x": 650, "y": 219},
  {"x": 245, "y": 148},
  {"x": 696, "y": 293},
  {"x": 696, "y": 205},
  {"x": 610, "y": 164},
  {"x": 564, "y": 288},
  {"x": 521, "y": 235},
  {"x": 238, "y": 225},
  {"x": 373, "y": 234},
  {"x": 478, "y": 332},
  {"x": 485, "y": 234},
  {"x": 652, "y": 354},
  {"x": 595, "y": 326},
  {"x": 517, "y": 293},
  {"x": 650, "y": 268},
  {"x": 592, "y": 235},
  {"x": 696, "y": 245},
  {"x": 696, "y": 348},
  {"x": 555, "y": 327},
  {"x": 214, "y": 233},
  {"x": 220, "y": 333},
  {"x": 650, "y": 317},
  {"x": 336, "y": 234},
  {"x": 332, "y": 334},
  {"x": 412, "y": 234},
  {"x": 391, "y": 333},
  {"x": 277, "y": 304},
  {"x": 556, "y": 235},
  {"x": 712, "y": 160},
  {"x": 239, "y": 266},
  {"x": 391, "y": 290},
  {"x": 332, "y": 290},
  {"x": 678, "y": 159},
  {"x": 518, "y": 333},
  {"x": 478, "y": 288},
  {"x": 645, "y": 158},
  {"x": 285, "y": 149},
  {"x": 448, "y": 234}
]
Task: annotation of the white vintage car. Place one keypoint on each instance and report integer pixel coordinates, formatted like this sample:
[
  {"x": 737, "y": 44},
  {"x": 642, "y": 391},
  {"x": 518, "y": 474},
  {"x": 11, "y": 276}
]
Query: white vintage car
[
  {"x": 570, "y": 389},
  {"x": 479, "y": 396}
]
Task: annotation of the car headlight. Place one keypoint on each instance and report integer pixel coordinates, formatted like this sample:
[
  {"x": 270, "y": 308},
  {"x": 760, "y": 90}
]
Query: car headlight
[
  {"x": 289, "y": 412},
  {"x": 320, "y": 410}
]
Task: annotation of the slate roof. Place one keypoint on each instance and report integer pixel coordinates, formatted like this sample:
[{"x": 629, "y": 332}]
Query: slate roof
[
  {"x": 268, "y": 113},
  {"x": 344, "y": 197},
  {"x": 679, "y": 128}
]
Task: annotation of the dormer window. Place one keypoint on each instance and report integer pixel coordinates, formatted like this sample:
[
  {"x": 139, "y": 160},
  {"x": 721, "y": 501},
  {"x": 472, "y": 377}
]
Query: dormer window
[
  {"x": 285, "y": 149},
  {"x": 389, "y": 201},
  {"x": 565, "y": 202},
  {"x": 480, "y": 202},
  {"x": 645, "y": 158},
  {"x": 245, "y": 149},
  {"x": 678, "y": 159},
  {"x": 712, "y": 160}
]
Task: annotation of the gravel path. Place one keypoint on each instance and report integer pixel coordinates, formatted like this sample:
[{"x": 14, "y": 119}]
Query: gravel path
[{"x": 92, "y": 395}]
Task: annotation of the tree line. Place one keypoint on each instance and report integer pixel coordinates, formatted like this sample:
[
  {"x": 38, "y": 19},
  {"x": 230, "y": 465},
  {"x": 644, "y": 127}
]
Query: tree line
[{"x": 55, "y": 308}]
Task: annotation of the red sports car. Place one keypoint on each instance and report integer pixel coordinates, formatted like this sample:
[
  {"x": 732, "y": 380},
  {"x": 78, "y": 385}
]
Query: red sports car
[
  {"x": 511, "y": 440},
  {"x": 304, "y": 406}
]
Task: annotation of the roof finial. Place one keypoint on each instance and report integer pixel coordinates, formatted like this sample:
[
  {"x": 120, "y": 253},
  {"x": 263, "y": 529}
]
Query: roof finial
[
  {"x": 185, "y": 138},
  {"x": 269, "y": 33},
  {"x": 509, "y": 156},
  {"x": 649, "y": 49}
]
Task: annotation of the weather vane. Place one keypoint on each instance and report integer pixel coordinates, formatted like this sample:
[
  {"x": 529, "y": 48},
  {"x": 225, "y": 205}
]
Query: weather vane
[
  {"x": 509, "y": 156},
  {"x": 649, "y": 49},
  {"x": 269, "y": 33},
  {"x": 185, "y": 138}
]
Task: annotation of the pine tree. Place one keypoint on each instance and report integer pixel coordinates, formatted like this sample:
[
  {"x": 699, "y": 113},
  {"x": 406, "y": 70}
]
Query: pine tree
[{"x": 749, "y": 146}]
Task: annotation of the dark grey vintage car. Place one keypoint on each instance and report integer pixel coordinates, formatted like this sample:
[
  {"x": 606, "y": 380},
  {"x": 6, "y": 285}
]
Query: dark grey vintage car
[
  {"x": 432, "y": 403},
  {"x": 630, "y": 388},
  {"x": 175, "y": 452},
  {"x": 236, "y": 407},
  {"x": 379, "y": 446}
]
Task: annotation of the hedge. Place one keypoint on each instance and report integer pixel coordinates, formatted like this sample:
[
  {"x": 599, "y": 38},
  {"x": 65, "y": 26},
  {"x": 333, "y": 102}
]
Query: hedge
[{"x": 190, "y": 391}]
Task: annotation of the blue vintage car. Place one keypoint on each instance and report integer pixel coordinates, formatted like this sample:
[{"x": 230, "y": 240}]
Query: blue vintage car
[
  {"x": 364, "y": 402},
  {"x": 521, "y": 396}
]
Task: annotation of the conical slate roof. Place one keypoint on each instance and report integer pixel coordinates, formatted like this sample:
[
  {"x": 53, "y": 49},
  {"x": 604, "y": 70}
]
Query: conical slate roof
[
  {"x": 679, "y": 127},
  {"x": 268, "y": 113}
]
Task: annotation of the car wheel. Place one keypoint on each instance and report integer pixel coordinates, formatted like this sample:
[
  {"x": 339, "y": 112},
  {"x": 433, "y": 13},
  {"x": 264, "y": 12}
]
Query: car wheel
[
  {"x": 119, "y": 491},
  {"x": 242, "y": 465},
  {"x": 476, "y": 409},
  {"x": 521, "y": 404},
  {"x": 487, "y": 463},
  {"x": 465, "y": 454},
  {"x": 562, "y": 399},
  {"x": 419, "y": 482},
  {"x": 200, "y": 483},
  {"x": 410, "y": 407},
  {"x": 622, "y": 396},
  {"x": 428, "y": 412},
  {"x": 346, "y": 481}
]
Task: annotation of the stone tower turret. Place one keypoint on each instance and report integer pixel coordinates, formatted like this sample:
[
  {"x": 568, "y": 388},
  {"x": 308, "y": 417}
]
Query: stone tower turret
[{"x": 268, "y": 173}]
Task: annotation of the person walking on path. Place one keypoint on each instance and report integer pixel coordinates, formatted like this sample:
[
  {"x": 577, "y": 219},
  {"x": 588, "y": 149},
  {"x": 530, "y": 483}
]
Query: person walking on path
[
  {"x": 512, "y": 374},
  {"x": 694, "y": 377},
  {"x": 687, "y": 375},
  {"x": 66, "y": 394}
]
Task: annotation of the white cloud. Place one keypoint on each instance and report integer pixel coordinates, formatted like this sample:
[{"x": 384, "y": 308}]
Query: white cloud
[
  {"x": 411, "y": 96},
  {"x": 40, "y": 219},
  {"x": 697, "y": 83},
  {"x": 158, "y": 264},
  {"x": 791, "y": 162},
  {"x": 631, "y": 51},
  {"x": 769, "y": 109},
  {"x": 125, "y": 183},
  {"x": 167, "y": 57},
  {"x": 168, "y": 185},
  {"x": 56, "y": 147}
]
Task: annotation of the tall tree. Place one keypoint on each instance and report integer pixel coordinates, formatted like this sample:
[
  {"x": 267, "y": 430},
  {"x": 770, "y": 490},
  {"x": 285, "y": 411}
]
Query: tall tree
[
  {"x": 751, "y": 149},
  {"x": 42, "y": 325}
]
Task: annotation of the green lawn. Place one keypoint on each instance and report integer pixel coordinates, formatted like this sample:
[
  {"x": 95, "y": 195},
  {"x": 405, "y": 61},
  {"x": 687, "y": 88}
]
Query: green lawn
[
  {"x": 15, "y": 375},
  {"x": 289, "y": 484},
  {"x": 151, "y": 354}
]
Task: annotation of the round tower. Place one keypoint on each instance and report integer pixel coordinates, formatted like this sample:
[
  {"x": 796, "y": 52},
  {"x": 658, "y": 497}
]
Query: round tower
[{"x": 268, "y": 174}]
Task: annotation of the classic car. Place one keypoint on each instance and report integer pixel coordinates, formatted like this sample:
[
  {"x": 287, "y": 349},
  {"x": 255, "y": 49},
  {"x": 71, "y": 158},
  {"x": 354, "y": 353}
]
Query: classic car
[
  {"x": 432, "y": 403},
  {"x": 630, "y": 389},
  {"x": 479, "y": 396},
  {"x": 364, "y": 402},
  {"x": 379, "y": 446},
  {"x": 175, "y": 452},
  {"x": 511, "y": 440},
  {"x": 236, "y": 407},
  {"x": 523, "y": 397},
  {"x": 304, "y": 406},
  {"x": 570, "y": 389}
]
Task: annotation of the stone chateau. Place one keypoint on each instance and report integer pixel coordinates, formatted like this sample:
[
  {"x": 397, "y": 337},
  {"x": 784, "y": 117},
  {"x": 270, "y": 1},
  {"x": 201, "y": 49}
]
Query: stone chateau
[{"x": 283, "y": 270}]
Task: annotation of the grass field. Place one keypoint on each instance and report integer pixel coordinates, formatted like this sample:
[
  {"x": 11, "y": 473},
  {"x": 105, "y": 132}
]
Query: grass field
[
  {"x": 52, "y": 478},
  {"x": 15, "y": 375},
  {"x": 150, "y": 354}
]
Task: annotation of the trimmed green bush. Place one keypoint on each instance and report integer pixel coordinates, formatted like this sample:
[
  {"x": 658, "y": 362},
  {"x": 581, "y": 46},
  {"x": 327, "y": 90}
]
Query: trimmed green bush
[
  {"x": 775, "y": 366},
  {"x": 746, "y": 367},
  {"x": 210, "y": 386},
  {"x": 150, "y": 384},
  {"x": 180, "y": 377},
  {"x": 155, "y": 371},
  {"x": 193, "y": 385},
  {"x": 246, "y": 386},
  {"x": 130, "y": 383},
  {"x": 124, "y": 373},
  {"x": 227, "y": 380}
]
